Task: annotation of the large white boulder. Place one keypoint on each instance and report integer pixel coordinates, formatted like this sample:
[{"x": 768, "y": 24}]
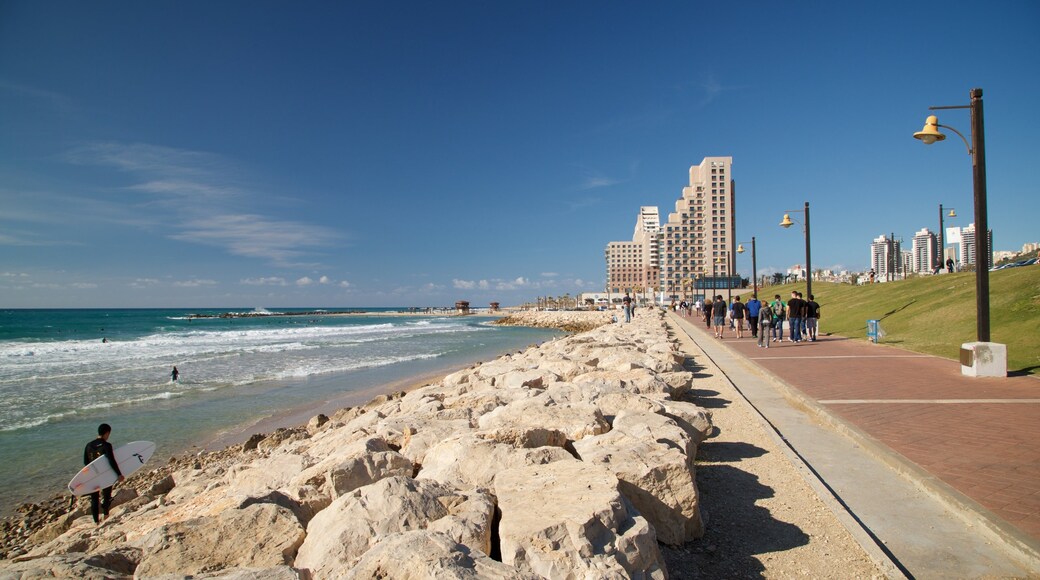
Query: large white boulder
[
  {"x": 472, "y": 460},
  {"x": 259, "y": 536},
  {"x": 655, "y": 476},
  {"x": 568, "y": 520},
  {"x": 344, "y": 531},
  {"x": 575, "y": 419},
  {"x": 421, "y": 555}
]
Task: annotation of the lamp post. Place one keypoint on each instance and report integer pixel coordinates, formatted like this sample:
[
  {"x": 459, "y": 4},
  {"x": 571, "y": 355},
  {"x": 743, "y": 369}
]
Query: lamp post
[
  {"x": 942, "y": 246},
  {"x": 977, "y": 149},
  {"x": 786, "y": 223},
  {"x": 754, "y": 265}
]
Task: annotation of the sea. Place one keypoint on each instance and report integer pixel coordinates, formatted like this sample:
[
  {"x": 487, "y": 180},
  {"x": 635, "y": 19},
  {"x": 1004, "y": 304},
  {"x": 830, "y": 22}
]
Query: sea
[{"x": 63, "y": 372}]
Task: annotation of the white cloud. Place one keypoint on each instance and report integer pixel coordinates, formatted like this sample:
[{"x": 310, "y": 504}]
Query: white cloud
[
  {"x": 268, "y": 281},
  {"x": 255, "y": 236},
  {"x": 84, "y": 285},
  {"x": 463, "y": 284},
  {"x": 549, "y": 274},
  {"x": 305, "y": 281},
  {"x": 14, "y": 274},
  {"x": 195, "y": 190},
  {"x": 324, "y": 280},
  {"x": 344, "y": 284},
  {"x": 194, "y": 283},
  {"x": 516, "y": 284}
]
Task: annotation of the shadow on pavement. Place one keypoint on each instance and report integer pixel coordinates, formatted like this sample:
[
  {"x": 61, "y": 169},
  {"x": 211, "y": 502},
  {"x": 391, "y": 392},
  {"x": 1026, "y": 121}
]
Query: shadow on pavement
[
  {"x": 736, "y": 529},
  {"x": 727, "y": 452}
]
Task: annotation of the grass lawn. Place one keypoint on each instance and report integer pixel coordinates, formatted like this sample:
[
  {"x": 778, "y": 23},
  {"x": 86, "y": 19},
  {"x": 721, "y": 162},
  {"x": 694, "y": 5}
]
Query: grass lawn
[{"x": 936, "y": 314}]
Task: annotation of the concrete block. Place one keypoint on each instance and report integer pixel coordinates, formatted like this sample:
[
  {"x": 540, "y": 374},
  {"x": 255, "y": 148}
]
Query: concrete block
[{"x": 984, "y": 359}]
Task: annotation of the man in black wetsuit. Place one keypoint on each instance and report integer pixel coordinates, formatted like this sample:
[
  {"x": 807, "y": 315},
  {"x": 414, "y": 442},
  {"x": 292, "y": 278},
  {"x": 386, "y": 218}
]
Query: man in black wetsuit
[{"x": 101, "y": 500}]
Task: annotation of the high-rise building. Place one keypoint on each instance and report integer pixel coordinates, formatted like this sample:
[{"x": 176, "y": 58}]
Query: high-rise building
[
  {"x": 633, "y": 266},
  {"x": 885, "y": 255},
  {"x": 968, "y": 246},
  {"x": 923, "y": 252},
  {"x": 697, "y": 242}
]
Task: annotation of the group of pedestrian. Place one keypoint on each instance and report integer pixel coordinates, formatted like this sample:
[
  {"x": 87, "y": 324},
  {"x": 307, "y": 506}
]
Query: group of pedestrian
[
  {"x": 801, "y": 315},
  {"x": 765, "y": 319}
]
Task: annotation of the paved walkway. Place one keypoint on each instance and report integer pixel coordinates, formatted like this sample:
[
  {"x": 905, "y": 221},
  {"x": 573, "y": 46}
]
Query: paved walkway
[{"x": 972, "y": 442}]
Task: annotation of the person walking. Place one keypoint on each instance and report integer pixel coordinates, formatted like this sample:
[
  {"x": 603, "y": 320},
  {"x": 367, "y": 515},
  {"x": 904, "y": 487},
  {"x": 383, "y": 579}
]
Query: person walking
[
  {"x": 779, "y": 313},
  {"x": 718, "y": 311},
  {"x": 753, "y": 308},
  {"x": 812, "y": 317},
  {"x": 737, "y": 313},
  {"x": 794, "y": 317},
  {"x": 101, "y": 500},
  {"x": 708, "y": 308},
  {"x": 765, "y": 322},
  {"x": 627, "y": 301}
]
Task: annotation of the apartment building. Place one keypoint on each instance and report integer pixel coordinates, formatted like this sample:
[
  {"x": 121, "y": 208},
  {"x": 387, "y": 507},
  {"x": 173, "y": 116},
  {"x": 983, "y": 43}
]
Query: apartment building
[
  {"x": 968, "y": 244},
  {"x": 634, "y": 266},
  {"x": 697, "y": 242},
  {"x": 885, "y": 257},
  {"x": 923, "y": 258}
]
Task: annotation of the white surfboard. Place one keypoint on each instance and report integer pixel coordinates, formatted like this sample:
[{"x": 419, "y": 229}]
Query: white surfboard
[{"x": 99, "y": 473}]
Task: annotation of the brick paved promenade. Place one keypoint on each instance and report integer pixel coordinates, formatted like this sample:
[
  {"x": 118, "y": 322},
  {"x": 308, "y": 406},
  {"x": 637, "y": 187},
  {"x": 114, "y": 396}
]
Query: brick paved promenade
[{"x": 980, "y": 436}]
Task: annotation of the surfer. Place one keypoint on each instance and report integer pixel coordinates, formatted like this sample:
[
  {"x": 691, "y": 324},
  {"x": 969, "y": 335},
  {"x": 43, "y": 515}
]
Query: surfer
[
  {"x": 174, "y": 374},
  {"x": 101, "y": 500}
]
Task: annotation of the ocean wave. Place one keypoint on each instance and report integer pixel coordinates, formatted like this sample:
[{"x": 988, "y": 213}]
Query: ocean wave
[{"x": 43, "y": 420}]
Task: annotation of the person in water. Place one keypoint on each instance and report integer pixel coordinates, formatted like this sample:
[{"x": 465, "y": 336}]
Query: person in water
[
  {"x": 174, "y": 374},
  {"x": 100, "y": 501}
]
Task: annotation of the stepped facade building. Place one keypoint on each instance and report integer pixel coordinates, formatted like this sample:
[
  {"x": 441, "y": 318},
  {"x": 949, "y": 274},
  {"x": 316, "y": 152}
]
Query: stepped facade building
[{"x": 697, "y": 243}]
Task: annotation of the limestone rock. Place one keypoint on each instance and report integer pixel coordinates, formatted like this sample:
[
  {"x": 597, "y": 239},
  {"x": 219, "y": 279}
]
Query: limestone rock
[
  {"x": 568, "y": 520},
  {"x": 472, "y": 460},
  {"x": 73, "y": 565},
  {"x": 343, "y": 532},
  {"x": 576, "y": 420},
  {"x": 260, "y": 536},
  {"x": 655, "y": 477},
  {"x": 420, "y": 555}
]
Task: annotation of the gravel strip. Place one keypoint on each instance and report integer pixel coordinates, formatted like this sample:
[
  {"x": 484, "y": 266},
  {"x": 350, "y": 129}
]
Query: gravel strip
[{"x": 763, "y": 518}]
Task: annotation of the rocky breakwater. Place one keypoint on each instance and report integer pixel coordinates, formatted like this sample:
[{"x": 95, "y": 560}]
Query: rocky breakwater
[
  {"x": 572, "y": 459},
  {"x": 567, "y": 320}
]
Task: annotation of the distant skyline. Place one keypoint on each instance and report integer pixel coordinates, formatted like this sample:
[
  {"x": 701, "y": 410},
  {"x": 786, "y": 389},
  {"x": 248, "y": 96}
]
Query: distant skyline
[{"x": 268, "y": 154}]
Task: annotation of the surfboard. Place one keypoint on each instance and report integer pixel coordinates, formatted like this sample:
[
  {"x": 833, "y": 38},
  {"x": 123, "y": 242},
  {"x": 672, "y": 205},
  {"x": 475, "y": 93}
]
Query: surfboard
[{"x": 99, "y": 473}]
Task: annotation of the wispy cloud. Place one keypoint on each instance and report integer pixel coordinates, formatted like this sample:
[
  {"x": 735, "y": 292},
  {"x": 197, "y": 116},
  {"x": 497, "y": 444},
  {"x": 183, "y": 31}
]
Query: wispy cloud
[
  {"x": 54, "y": 99},
  {"x": 203, "y": 195},
  {"x": 264, "y": 281},
  {"x": 194, "y": 283},
  {"x": 255, "y": 236}
]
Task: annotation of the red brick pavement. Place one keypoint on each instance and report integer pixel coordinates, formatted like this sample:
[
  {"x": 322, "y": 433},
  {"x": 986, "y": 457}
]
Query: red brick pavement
[{"x": 986, "y": 449}]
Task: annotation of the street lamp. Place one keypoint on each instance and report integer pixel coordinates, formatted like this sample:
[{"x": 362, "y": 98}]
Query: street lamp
[
  {"x": 808, "y": 255},
  {"x": 754, "y": 265},
  {"x": 942, "y": 232},
  {"x": 977, "y": 149}
]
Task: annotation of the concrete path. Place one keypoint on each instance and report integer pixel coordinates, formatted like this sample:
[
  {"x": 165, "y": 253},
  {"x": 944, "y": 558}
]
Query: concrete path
[{"x": 941, "y": 471}]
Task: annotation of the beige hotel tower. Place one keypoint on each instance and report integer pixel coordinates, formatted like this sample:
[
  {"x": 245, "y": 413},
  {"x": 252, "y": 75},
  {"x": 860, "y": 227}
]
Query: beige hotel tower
[{"x": 698, "y": 240}]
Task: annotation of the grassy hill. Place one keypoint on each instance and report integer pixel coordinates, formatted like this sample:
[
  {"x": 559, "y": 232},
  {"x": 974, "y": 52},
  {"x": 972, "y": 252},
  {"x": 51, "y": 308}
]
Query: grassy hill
[{"x": 936, "y": 314}]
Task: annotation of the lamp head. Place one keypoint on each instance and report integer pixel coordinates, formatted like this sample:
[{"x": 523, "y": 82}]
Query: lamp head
[
  {"x": 952, "y": 213},
  {"x": 930, "y": 134},
  {"x": 787, "y": 221},
  {"x": 740, "y": 248}
]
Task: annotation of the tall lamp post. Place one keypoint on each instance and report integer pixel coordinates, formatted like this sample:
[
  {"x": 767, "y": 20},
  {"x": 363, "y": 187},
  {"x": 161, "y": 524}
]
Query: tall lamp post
[
  {"x": 754, "y": 265},
  {"x": 786, "y": 223},
  {"x": 977, "y": 149},
  {"x": 941, "y": 254}
]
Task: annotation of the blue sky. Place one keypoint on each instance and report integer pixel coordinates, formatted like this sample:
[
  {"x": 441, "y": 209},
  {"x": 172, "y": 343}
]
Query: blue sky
[{"x": 226, "y": 154}]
